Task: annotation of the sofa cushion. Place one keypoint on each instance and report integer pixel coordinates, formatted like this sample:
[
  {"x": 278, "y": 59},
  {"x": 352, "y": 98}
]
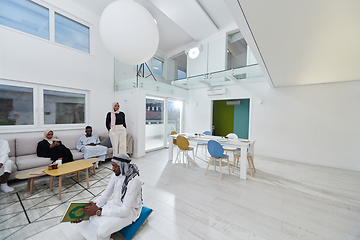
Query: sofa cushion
[
  {"x": 25, "y": 146},
  {"x": 69, "y": 141},
  {"x": 13, "y": 165},
  {"x": 76, "y": 154},
  {"x": 109, "y": 153},
  {"x": 106, "y": 142},
  {"x": 31, "y": 161},
  {"x": 102, "y": 137}
]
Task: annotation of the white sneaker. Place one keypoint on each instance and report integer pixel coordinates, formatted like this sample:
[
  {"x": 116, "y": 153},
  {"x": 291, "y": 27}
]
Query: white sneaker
[
  {"x": 97, "y": 165},
  {"x": 6, "y": 188}
]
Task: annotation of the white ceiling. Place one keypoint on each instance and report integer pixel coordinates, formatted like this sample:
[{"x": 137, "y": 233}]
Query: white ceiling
[
  {"x": 296, "y": 42},
  {"x": 180, "y": 23},
  {"x": 304, "y": 42}
]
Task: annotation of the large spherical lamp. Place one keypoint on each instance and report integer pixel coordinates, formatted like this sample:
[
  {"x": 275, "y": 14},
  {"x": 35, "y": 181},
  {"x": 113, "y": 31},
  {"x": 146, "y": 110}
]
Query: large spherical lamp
[{"x": 129, "y": 32}]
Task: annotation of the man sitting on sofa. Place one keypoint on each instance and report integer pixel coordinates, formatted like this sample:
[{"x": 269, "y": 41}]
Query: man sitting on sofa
[{"x": 89, "y": 146}]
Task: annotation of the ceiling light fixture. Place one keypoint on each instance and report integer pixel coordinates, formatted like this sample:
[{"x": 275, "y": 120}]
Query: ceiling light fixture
[{"x": 194, "y": 52}]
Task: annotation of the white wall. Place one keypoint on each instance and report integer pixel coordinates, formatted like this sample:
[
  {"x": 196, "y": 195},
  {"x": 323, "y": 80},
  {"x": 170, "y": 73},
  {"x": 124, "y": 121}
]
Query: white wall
[
  {"x": 317, "y": 124},
  {"x": 30, "y": 59},
  {"x": 133, "y": 104}
]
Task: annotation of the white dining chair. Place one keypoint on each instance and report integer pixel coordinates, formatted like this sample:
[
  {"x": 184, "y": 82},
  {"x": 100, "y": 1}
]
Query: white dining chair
[
  {"x": 250, "y": 157},
  {"x": 201, "y": 144},
  {"x": 231, "y": 149}
]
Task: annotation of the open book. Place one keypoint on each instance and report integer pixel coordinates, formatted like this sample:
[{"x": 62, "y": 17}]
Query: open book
[
  {"x": 74, "y": 211},
  {"x": 37, "y": 172}
]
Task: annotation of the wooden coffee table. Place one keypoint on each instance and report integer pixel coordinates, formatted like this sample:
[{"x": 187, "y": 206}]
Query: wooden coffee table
[
  {"x": 31, "y": 175},
  {"x": 93, "y": 161},
  {"x": 67, "y": 168}
]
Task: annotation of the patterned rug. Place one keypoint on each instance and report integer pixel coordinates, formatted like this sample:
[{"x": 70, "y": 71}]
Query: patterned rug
[{"x": 23, "y": 215}]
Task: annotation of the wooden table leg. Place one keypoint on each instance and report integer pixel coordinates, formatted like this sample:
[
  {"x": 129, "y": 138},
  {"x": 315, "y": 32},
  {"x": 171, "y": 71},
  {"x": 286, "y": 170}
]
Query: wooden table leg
[
  {"x": 31, "y": 185},
  {"x": 78, "y": 176},
  {"x": 94, "y": 168},
  {"x": 60, "y": 185},
  {"x": 51, "y": 182},
  {"x": 28, "y": 183},
  {"x": 87, "y": 178}
]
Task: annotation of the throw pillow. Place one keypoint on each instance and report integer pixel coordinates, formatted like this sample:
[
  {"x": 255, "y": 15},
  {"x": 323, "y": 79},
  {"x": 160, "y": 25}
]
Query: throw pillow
[{"x": 129, "y": 231}]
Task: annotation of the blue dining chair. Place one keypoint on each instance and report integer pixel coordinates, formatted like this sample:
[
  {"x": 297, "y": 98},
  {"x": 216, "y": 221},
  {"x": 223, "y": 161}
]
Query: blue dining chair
[
  {"x": 217, "y": 153},
  {"x": 202, "y": 144}
]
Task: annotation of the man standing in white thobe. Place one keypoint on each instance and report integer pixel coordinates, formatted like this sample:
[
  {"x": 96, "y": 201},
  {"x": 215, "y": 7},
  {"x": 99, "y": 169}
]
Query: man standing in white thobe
[
  {"x": 5, "y": 165},
  {"x": 107, "y": 217},
  {"x": 89, "y": 146}
]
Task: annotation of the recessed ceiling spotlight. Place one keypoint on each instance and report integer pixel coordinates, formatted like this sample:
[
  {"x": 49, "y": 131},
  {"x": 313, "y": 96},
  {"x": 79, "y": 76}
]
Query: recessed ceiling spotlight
[{"x": 194, "y": 52}]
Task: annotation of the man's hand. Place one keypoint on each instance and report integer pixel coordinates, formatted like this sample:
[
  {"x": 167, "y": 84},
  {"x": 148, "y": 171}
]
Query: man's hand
[
  {"x": 78, "y": 220},
  {"x": 91, "y": 210},
  {"x": 1, "y": 165}
]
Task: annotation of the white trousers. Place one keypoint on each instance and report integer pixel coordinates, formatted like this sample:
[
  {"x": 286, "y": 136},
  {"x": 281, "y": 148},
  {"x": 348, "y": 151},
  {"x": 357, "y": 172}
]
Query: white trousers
[
  {"x": 118, "y": 139},
  {"x": 7, "y": 166},
  {"x": 101, "y": 228}
]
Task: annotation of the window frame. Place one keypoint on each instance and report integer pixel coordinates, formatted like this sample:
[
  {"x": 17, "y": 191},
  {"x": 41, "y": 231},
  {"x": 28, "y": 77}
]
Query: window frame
[
  {"x": 21, "y": 128},
  {"x": 38, "y": 106},
  {"x": 52, "y": 10},
  {"x": 30, "y": 34},
  {"x": 55, "y": 12}
]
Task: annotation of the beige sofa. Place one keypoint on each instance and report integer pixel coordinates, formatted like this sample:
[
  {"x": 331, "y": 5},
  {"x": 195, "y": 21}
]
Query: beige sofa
[{"x": 23, "y": 152}]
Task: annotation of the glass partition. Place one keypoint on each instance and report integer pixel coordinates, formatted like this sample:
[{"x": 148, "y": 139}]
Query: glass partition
[
  {"x": 221, "y": 62},
  {"x": 154, "y": 128},
  {"x": 174, "y": 116}
]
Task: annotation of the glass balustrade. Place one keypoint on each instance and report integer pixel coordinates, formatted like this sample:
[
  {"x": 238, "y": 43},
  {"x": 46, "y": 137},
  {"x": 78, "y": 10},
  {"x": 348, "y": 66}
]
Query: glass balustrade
[{"x": 222, "y": 62}]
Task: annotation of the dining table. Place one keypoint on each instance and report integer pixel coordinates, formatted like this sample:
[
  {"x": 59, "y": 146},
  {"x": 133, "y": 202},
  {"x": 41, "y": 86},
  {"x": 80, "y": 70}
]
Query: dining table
[{"x": 243, "y": 144}]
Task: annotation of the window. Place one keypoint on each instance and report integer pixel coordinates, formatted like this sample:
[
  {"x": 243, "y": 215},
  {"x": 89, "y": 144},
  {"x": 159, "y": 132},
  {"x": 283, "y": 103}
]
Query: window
[
  {"x": 71, "y": 33},
  {"x": 32, "y": 18},
  {"x": 25, "y": 16},
  {"x": 157, "y": 66},
  {"x": 63, "y": 107},
  {"x": 181, "y": 74},
  {"x": 57, "y": 107},
  {"x": 16, "y": 105}
]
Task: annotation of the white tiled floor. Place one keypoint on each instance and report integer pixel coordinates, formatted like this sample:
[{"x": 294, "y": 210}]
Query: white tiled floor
[{"x": 284, "y": 200}]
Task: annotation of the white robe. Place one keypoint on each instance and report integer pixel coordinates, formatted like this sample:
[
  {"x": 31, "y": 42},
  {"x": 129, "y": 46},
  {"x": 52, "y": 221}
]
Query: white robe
[
  {"x": 91, "y": 151},
  {"x": 4, "y": 157},
  {"x": 116, "y": 214}
]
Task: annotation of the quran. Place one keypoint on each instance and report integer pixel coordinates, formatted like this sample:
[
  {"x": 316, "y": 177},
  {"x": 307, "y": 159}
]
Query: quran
[{"x": 74, "y": 211}]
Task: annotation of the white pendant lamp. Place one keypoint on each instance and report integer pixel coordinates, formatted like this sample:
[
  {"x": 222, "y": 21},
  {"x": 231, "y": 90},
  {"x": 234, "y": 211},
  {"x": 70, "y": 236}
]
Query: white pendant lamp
[{"x": 129, "y": 32}]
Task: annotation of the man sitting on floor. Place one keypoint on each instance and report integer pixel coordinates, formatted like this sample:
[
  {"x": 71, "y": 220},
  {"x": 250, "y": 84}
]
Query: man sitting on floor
[
  {"x": 5, "y": 165},
  {"x": 89, "y": 146},
  {"x": 107, "y": 217}
]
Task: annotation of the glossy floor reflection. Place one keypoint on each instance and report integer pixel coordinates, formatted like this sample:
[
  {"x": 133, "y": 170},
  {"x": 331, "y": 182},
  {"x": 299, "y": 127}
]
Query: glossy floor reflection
[{"x": 284, "y": 200}]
